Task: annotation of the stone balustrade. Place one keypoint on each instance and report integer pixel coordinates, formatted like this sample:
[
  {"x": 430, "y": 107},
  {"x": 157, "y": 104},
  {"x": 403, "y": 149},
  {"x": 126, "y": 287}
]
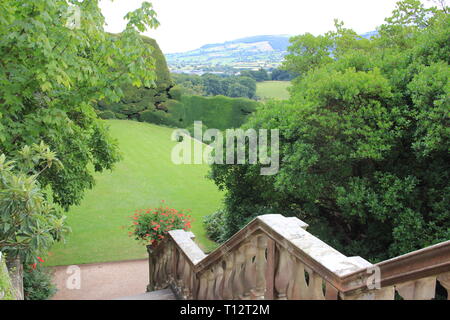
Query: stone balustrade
[{"x": 274, "y": 257}]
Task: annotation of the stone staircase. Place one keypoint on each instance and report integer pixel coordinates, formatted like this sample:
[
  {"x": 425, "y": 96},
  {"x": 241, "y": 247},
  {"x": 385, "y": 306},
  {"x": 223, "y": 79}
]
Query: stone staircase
[
  {"x": 275, "y": 257},
  {"x": 165, "y": 294}
]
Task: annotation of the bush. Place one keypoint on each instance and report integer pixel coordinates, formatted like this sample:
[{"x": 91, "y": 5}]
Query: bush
[
  {"x": 158, "y": 117},
  {"x": 37, "y": 283},
  {"x": 176, "y": 92},
  {"x": 107, "y": 115},
  {"x": 215, "y": 226},
  {"x": 152, "y": 225},
  {"x": 120, "y": 116}
]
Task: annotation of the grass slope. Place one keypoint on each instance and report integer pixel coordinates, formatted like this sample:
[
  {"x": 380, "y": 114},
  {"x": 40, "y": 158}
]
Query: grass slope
[
  {"x": 145, "y": 176},
  {"x": 273, "y": 90}
]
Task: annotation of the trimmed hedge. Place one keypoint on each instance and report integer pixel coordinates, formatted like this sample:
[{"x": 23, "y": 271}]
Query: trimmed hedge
[
  {"x": 157, "y": 117},
  {"x": 107, "y": 114},
  {"x": 137, "y": 100}
]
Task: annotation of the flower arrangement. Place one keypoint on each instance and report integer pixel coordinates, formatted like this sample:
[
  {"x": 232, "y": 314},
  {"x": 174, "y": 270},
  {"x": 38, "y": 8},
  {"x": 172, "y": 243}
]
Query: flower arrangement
[{"x": 150, "y": 226}]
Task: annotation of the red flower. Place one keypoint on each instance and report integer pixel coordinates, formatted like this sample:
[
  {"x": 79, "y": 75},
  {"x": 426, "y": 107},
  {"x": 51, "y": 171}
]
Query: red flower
[{"x": 40, "y": 259}]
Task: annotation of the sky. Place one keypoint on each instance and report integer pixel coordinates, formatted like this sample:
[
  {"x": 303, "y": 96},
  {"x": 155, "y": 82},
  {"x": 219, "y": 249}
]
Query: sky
[{"x": 189, "y": 24}]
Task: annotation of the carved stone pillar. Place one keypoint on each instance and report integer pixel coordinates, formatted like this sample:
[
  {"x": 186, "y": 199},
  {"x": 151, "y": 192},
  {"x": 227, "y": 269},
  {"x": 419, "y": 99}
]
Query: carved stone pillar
[
  {"x": 227, "y": 293},
  {"x": 283, "y": 274},
  {"x": 261, "y": 264},
  {"x": 249, "y": 268}
]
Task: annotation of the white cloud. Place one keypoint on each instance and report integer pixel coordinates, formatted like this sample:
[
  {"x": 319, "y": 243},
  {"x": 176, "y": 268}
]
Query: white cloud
[{"x": 189, "y": 24}]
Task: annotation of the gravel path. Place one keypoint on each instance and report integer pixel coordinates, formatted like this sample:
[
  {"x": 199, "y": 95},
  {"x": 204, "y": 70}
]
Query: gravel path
[{"x": 102, "y": 281}]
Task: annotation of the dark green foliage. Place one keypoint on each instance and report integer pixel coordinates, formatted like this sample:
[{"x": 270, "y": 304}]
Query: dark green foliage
[
  {"x": 213, "y": 85},
  {"x": 37, "y": 283},
  {"x": 107, "y": 114},
  {"x": 138, "y": 99},
  {"x": 215, "y": 226},
  {"x": 51, "y": 74},
  {"x": 158, "y": 117},
  {"x": 281, "y": 75},
  {"x": 218, "y": 112},
  {"x": 191, "y": 84},
  {"x": 176, "y": 92},
  {"x": 259, "y": 75},
  {"x": 364, "y": 139}
]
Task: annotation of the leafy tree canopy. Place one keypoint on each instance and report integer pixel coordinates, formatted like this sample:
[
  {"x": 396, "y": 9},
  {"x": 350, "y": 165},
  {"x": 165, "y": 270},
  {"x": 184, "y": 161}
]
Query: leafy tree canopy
[
  {"x": 364, "y": 139},
  {"x": 56, "y": 62}
]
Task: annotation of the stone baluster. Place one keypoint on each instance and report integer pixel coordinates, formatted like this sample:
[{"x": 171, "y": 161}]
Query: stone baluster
[
  {"x": 238, "y": 275},
  {"x": 283, "y": 274},
  {"x": 211, "y": 283},
  {"x": 249, "y": 268},
  {"x": 203, "y": 286},
  {"x": 227, "y": 293},
  {"x": 218, "y": 274},
  {"x": 187, "y": 281},
  {"x": 180, "y": 272},
  {"x": 270, "y": 270},
  {"x": 299, "y": 289},
  {"x": 422, "y": 289},
  {"x": 316, "y": 286},
  {"x": 444, "y": 280},
  {"x": 156, "y": 275},
  {"x": 151, "y": 270},
  {"x": 260, "y": 265},
  {"x": 331, "y": 293}
]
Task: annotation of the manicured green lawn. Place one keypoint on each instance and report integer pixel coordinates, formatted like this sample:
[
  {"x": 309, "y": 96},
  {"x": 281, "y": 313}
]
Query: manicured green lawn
[
  {"x": 144, "y": 177},
  {"x": 273, "y": 89}
]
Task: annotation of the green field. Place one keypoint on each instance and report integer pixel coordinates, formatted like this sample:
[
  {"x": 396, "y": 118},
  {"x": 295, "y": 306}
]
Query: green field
[
  {"x": 273, "y": 90},
  {"x": 144, "y": 177}
]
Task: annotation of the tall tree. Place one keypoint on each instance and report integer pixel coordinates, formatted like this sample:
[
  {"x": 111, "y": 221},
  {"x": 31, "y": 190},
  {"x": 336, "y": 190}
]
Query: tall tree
[
  {"x": 364, "y": 139},
  {"x": 56, "y": 61}
]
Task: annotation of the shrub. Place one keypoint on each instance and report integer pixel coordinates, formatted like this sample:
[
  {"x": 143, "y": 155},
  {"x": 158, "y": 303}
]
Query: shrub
[
  {"x": 107, "y": 115},
  {"x": 176, "y": 92},
  {"x": 215, "y": 226},
  {"x": 120, "y": 116},
  {"x": 157, "y": 117},
  {"x": 152, "y": 225},
  {"x": 37, "y": 282}
]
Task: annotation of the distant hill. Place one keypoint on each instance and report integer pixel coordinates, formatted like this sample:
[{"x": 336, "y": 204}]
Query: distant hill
[
  {"x": 249, "y": 53},
  {"x": 265, "y": 51}
]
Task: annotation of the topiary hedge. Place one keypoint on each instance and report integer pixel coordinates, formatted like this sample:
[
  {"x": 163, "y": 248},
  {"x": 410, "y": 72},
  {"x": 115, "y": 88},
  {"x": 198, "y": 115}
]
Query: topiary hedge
[
  {"x": 158, "y": 117},
  {"x": 137, "y": 100}
]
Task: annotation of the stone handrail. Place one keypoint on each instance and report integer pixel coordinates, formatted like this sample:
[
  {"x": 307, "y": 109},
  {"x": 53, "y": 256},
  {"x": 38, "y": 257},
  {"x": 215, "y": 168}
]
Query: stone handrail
[{"x": 274, "y": 257}]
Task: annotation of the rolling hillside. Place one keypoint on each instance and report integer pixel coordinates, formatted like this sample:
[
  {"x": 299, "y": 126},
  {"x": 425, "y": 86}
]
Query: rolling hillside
[
  {"x": 252, "y": 52},
  {"x": 142, "y": 179}
]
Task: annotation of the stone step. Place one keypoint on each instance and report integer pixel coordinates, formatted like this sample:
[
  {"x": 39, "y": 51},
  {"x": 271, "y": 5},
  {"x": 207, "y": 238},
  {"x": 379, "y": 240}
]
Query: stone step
[{"x": 165, "y": 294}]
